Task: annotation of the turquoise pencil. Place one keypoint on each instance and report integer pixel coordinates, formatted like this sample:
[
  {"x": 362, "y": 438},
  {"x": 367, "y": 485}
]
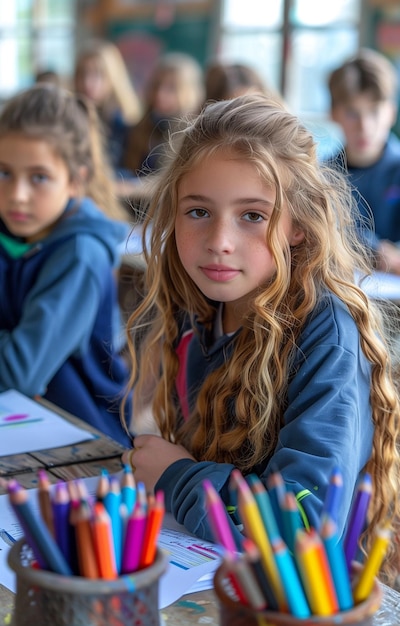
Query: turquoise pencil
[
  {"x": 337, "y": 562},
  {"x": 262, "y": 498},
  {"x": 128, "y": 488},
  {"x": 295, "y": 595},
  {"x": 291, "y": 519}
]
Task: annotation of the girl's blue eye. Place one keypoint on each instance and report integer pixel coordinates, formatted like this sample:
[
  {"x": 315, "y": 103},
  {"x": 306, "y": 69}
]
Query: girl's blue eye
[
  {"x": 198, "y": 213},
  {"x": 4, "y": 174},
  {"x": 39, "y": 178},
  {"x": 253, "y": 217}
]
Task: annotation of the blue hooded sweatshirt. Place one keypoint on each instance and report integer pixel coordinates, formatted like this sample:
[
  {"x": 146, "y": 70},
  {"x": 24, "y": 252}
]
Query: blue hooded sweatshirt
[
  {"x": 327, "y": 421},
  {"x": 57, "y": 313}
]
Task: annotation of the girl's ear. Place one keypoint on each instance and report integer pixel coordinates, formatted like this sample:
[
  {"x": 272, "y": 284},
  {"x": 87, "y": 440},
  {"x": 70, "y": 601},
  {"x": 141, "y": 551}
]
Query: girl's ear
[
  {"x": 296, "y": 237},
  {"x": 77, "y": 185}
]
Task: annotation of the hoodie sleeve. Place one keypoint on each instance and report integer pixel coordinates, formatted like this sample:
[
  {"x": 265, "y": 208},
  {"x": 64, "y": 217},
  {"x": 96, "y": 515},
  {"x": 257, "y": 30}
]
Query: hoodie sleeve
[
  {"x": 57, "y": 317},
  {"x": 327, "y": 423}
]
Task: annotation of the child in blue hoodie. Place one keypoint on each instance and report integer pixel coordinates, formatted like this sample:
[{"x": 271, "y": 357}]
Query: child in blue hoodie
[
  {"x": 262, "y": 352},
  {"x": 58, "y": 252}
]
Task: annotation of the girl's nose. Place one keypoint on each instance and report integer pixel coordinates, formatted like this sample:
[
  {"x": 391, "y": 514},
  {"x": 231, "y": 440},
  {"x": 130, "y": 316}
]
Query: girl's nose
[
  {"x": 221, "y": 238},
  {"x": 20, "y": 190}
]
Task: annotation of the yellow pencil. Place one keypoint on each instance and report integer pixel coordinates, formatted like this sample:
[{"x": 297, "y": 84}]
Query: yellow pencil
[
  {"x": 365, "y": 581},
  {"x": 308, "y": 558},
  {"x": 254, "y": 529}
]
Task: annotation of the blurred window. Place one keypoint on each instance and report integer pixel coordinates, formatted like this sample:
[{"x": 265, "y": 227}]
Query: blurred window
[{"x": 35, "y": 35}]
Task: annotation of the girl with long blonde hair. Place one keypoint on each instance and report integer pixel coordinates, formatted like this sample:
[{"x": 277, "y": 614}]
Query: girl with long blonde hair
[{"x": 255, "y": 347}]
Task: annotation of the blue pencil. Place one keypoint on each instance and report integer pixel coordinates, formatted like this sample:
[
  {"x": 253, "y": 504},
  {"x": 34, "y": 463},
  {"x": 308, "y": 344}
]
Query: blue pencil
[
  {"x": 337, "y": 563},
  {"x": 61, "y": 507},
  {"x": 291, "y": 519},
  {"x": 276, "y": 491},
  {"x": 294, "y": 591},
  {"x": 128, "y": 489},
  {"x": 333, "y": 495},
  {"x": 36, "y": 532}
]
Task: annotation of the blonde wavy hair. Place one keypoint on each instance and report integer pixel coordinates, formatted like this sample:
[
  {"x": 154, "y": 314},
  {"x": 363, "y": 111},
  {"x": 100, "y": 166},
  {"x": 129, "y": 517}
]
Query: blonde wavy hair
[{"x": 261, "y": 132}]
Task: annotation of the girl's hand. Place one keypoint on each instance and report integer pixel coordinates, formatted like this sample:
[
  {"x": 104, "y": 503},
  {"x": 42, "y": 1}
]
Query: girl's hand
[{"x": 151, "y": 456}]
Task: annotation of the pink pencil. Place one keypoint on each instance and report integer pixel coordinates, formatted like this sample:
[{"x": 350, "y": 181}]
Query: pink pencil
[{"x": 218, "y": 518}]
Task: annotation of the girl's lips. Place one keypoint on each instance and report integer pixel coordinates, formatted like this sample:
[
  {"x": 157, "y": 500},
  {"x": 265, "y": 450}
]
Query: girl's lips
[
  {"x": 16, "y": 216},
  {"x": 220, "y": 273}
]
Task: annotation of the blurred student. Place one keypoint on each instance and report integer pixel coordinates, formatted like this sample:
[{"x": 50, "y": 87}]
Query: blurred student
[
  {"x": 175, "y": 89},
  {"x": 229, "y": 80},
  {"x": 363, "y": 94},
  {"x": 102, "y": 76},
  {"x": 58, "y": 251}
]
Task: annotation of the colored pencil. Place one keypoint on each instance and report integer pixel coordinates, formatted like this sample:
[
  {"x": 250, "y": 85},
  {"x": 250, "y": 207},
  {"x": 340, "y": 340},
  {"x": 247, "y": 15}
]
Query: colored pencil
[
  {"x": 135, "y": 529},
  {"x": 314, "y": 573},
  {"x": 112, "y": 501},
  {"x": 103, "y": 485},
  {"x": 291, "y": 519},
  {"x": 276, "y": 490},
  {"x": 357, "y": 519},
  {"x": 333, "y": 495},
  {"x": 263, "y": 500},
  {"x": 252, "y": 554},
  {"x": 255, "y": 530},
  {"x": 337, "y": 562},
  {"x": 60, "y": 506},
  {"x": 45, "y": 500},
  {"x": 128, "y": 488},
  {"x": 103, "y": 542},
  {"x": 218, "y": 518},
  {"x": 84, "y": 541},
  {"x": 295, "y": 595},
  {"x": 36, "y": 532},
  {"x": 365, "y": 581},
  {"x": 245, "y": 581},
  {"x": 155, "y": 515}
]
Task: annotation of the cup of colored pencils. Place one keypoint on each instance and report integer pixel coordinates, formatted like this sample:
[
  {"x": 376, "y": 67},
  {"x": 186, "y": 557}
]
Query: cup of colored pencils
[
  {"x": 90, "y": 560},
  {"x": 285, "y": 574}
]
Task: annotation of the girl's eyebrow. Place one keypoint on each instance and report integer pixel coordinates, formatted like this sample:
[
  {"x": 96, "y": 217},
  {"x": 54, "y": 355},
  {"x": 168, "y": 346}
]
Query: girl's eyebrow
[{"x": 239, "y": 201}]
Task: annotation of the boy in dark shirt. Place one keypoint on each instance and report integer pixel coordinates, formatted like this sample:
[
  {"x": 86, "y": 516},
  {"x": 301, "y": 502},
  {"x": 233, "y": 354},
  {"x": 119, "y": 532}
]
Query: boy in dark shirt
[{"x": 363, "y": 102}]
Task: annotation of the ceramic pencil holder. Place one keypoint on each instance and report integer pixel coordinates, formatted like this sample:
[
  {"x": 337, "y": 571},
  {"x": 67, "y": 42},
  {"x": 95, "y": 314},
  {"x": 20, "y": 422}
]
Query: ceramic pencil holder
[
  {"x": 50, "y": 599},
  {"x": 233, "y": 613}
]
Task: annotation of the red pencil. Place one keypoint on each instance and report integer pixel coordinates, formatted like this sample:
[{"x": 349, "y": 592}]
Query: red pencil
[{"x": 155, "y": 517}]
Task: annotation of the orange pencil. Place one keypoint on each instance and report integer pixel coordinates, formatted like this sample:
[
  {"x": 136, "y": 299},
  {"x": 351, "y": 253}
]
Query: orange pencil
[
  {"x": 103, "y": 542},
  {"x": 313, "y": 574},
  {"x": 84, "y": 541},
  {"x": 45, "y": 507},
  {"x": 153, "y": 526}
]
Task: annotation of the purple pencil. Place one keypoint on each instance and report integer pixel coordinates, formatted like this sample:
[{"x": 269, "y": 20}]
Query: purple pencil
[
  {"x": 358, "y": 515},
  {"x": 135, "y": 530},
  {"x": 61, "y": 508}
]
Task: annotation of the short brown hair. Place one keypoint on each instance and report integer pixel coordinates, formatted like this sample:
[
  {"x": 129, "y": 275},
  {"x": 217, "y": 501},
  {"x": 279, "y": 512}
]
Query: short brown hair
[{"x": 366, "y": 72}]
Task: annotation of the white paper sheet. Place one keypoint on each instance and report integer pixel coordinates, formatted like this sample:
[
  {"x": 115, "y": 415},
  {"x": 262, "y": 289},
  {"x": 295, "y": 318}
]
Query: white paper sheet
[
  {"x": 192, "y": 562},
  {"x": 26, "y": 426}
]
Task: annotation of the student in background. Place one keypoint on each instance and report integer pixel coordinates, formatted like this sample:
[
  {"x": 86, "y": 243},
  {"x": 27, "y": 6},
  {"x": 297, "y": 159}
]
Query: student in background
[
  {"x": 229, "y": 80},
  {"x": 261, "y": 350},
  {"x": 101, "y": 75},
  {"x": 364, "y": 103},
  {"x": 58, "y": 252},
  {"x": 175, "y": 89}
]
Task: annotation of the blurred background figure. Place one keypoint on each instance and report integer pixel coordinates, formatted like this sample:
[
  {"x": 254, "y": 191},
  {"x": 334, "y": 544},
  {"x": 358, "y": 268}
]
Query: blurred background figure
[
  {"x": 228, "y": 80},
  {"x": 101, "y": 75},
  {"x": 364, "y": 94},
  {"x": 175, "y": 88},
  {"x": 48, "y": 76}
]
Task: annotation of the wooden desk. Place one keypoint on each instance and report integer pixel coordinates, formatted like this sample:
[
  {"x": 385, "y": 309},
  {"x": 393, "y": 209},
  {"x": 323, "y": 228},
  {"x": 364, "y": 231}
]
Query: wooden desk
[{"x": 87, "y": 459}]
